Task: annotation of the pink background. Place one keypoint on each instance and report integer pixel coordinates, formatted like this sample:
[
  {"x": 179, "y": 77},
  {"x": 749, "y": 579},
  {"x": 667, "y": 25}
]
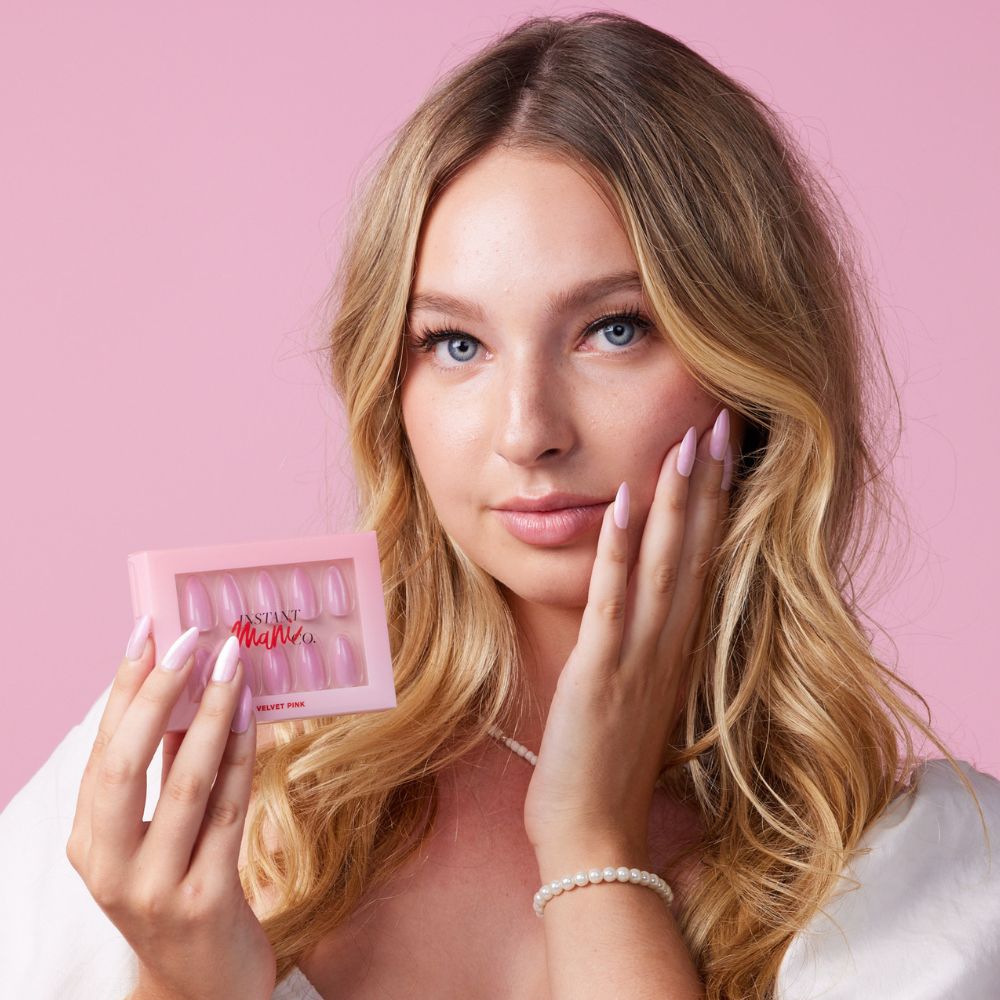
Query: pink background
[{"x": 173, "y": 181}]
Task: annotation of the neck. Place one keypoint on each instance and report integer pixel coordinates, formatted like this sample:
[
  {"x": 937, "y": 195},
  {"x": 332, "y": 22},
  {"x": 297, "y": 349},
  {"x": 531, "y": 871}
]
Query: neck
[{"x": 546, "y": 636}]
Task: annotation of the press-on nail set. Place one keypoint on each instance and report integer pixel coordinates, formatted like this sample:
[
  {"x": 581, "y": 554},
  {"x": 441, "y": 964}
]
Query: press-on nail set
[{"x": 309, "y": 614}]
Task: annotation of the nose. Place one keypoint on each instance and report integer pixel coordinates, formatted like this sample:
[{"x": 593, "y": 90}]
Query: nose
[{"x": 533, "y": 413}]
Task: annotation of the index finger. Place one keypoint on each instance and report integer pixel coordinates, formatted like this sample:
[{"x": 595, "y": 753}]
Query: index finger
[
  {"x": 129, "y": 678},
  {"x": 119, "y": 796}
]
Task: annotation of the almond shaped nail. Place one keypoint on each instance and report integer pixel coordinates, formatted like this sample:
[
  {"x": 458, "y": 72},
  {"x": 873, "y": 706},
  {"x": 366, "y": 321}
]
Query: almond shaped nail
[
  {"x": 345, "y": 663},
  {"x": 196, "y": 605},
  {"x": 302, "y": 594},
  {"x": 199, "y": 673},
  {"x": 268, "y": 596},
  {"x": 251, "y": 670},
  {"x": 310, "y": 671},
  {"x": 336, "y": 592},
  {"x": 275, "y": 672},
  {"x": 231, "y": 602}
]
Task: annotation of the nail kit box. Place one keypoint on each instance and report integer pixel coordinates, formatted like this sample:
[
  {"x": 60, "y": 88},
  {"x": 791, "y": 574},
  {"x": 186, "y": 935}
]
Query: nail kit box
[{"x": 309, "y": 613}]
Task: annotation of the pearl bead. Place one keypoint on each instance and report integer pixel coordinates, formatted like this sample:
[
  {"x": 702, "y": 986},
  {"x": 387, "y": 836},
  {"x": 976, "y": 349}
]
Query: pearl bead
[{"x": 556, "y": 887}]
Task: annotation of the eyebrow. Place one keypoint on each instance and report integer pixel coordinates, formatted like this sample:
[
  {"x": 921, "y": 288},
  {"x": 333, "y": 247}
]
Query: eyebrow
[{"x": 562, "y": 302}]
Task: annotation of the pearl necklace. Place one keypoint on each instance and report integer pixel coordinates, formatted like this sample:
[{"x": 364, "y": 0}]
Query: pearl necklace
[
  {"x": 637, "y": 876},
  {"x": 522, "y": 751}
]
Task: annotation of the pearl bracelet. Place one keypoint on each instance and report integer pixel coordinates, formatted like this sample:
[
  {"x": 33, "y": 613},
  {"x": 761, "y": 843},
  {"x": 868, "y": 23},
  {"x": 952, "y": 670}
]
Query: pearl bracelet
[{"x": 634, "y": 875}]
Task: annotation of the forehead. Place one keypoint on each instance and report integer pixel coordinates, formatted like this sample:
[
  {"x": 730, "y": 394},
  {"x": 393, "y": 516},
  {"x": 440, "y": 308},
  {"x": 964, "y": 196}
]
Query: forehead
[{"x": 513, "y": 223}]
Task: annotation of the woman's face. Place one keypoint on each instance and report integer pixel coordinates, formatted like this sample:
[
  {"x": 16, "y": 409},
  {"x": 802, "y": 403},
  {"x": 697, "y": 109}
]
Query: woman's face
[{"x": 529, "y": 396}]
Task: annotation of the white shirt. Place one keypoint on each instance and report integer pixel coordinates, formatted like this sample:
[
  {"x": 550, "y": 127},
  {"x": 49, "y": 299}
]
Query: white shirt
[{"x": 924, "y": 925}]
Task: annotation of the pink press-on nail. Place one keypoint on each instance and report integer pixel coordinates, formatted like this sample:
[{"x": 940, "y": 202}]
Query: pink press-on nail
[
  {"x": 268, "y": 598},
  {"x": 621, "y": 506},
  {"x": 183, "y": 646},
  {"x": 685, "y": 457},
  {"x": 310, "y": 672},
  {"x": 196, "y": 606},
  {"x": 241, "y": 718},
  {"x": 720, "y": 435},
  {"x": 727, "y": 468},
  {"x": 303, "y": 595},
  {"x": 345, "y": 663},
  {"x": 231, "y": 602},
  {"x": 137, "y": 640},
  {"x": 336, "y": 592},
  {"x": 200, "y": 673},
  {"x": 225, "y": 662},
  {"x": 275, "y": 672}
]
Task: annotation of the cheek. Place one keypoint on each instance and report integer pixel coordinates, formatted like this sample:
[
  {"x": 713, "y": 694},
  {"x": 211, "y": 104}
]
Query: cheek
[
  {"x": 649, "y": 422},
  {"x": 444, "y": 435}
]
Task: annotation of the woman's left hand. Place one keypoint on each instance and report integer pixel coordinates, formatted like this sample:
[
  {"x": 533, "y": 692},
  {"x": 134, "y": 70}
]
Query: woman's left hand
[{"x": 619, "y": 695}]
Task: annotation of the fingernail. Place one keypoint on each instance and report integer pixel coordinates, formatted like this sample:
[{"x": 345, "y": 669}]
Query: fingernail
[
  {"x": 720, "y": 435},
  {"x": 727, "y": 467},
  {"x": 277, "y": 674},
  {"x": 268, "y": 598},
  {"x": 345, "y": 664},
  {"x": 242, "y": 717},
  {"x": 225, "y": 662},
  {"x": 685, "y": 457},
  {"x": 183, "y": 647},
  {"x": 200, "y": 673},
  {"x": 196, "y": 605},
  {"x": 137, "y": 640},
  {"x": 621, "y": 506},
  {"x": 303, "y": 594},
  {"x": 231, "y": 601},
  {"x": 310, "y": 672},
  {"x": 338, "y": 597}
]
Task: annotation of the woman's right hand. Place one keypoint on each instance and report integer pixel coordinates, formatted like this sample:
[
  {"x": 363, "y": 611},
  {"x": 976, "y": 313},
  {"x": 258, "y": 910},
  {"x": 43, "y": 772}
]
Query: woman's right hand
[{"x": 171, "y": 885}]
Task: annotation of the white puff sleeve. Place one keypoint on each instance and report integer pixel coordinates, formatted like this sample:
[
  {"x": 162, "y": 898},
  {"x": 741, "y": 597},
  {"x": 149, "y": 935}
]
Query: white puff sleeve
[
  {"x": 55, "y": 941},
  {"x": 925, "y": 922}
]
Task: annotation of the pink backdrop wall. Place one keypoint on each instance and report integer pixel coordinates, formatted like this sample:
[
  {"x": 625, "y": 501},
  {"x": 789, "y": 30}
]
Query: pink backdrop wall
[{"x": 172, "y": 183}]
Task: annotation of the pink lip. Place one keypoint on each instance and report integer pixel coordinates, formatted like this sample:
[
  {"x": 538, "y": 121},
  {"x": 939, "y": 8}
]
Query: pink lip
[{"x": 553, "y": 527}]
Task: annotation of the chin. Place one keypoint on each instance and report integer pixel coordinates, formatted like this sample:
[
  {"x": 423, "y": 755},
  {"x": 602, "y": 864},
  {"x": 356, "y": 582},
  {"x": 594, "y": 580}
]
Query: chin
[{"x": 555, "y": 589}]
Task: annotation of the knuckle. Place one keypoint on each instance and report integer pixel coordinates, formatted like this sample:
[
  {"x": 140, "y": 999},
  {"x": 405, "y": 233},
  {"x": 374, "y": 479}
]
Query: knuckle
[
  {"x": 106, "y": 891},
  {"x": 101, "y": 740},
  {"x": 224, "y": 813},
  {"x": 677, "y": 501},
  {"x": 612, "y": 609},
  {"x": 151, "y": 694},
  {"x": 116, "y": 770},
  {"x": 713, "y": 491},
  {"x": 618, "y": 554},
  {"x": 184, "y": 787},
  {"x": 664, "y": 580},
  {"x": 214, "y": 707},
  {"x": 198, "y": 903},
  {"x": 150, "y": 903},
  {"x": 700, "y": 566}
]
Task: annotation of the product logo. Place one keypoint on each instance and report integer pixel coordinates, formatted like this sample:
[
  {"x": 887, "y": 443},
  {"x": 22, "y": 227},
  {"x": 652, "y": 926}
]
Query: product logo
[{"x": 274, "y": 633}]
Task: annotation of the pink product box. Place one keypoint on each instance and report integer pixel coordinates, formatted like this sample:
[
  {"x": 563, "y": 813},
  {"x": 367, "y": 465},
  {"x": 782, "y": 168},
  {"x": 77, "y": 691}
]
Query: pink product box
[{"x": 309, "y": 613}]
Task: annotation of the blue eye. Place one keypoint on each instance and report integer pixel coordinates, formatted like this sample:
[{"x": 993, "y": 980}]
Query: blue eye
[{"x": 614, "y": 325}]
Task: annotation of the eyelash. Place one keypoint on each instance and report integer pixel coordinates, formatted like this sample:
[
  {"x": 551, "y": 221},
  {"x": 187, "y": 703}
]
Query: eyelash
[{"x": 427, "y": 339}]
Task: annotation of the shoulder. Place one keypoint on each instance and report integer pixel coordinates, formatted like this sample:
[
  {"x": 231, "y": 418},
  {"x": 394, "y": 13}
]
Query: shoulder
[
  {"x": 926, "y": 876},
  {"x": 57, "y": 941}
]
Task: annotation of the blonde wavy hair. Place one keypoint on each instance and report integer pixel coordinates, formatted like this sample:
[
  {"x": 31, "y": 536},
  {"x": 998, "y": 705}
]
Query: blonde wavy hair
[{"x": 792, "y": 739}]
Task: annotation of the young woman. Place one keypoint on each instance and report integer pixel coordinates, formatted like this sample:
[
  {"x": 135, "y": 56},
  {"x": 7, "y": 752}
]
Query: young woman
[{"x": 592, "y": 275}]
